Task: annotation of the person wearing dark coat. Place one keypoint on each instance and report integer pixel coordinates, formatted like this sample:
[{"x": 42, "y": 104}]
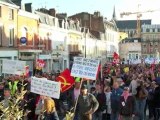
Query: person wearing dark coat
[
  {"x": 87, "y": 104},
  {"x": 157, "y": 102}
]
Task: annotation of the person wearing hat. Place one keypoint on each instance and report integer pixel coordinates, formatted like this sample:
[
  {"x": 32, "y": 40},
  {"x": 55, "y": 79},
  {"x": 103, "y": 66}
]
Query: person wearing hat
[
  {"x": 87, "y": 104},
  {"x": 127, "y": 105}
]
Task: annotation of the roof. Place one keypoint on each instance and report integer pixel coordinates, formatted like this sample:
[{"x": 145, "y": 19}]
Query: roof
[
  {"x": 45, "y": 18},
  {"x": 130, "y": 40},
  {"x": 8, "y": 1},
  {"x": 95, "y": 34},
  {"x": 131, "y": 24}
]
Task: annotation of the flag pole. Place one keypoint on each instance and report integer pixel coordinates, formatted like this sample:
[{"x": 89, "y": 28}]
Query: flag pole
[{"x": 75, "y": 106}]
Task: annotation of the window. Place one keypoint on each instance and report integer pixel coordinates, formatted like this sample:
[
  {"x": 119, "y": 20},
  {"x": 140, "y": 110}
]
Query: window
[
  {"x": 142, "y": 30},
  {"x": 153, "y": 30},
  {"x": 1, "y": 33},
  {"x": 144, "y": 50},
  {"x": 11, "y": 36},
  {"x": 147, "y": 30},
  {"x": 158, "y": 29},
  {"x": 130, "y": 56},
  {"x": 11, "y": 14},
  {"x": 46, "y": 20},
  {"x": 136, "y": 56}
]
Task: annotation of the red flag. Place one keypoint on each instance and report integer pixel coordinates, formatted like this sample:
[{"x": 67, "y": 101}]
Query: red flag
[
  {"x": 66, "y": 80},
  {"x": 115, "y": 58},
  {"x": 153, "y": 65},
  {"x": 27, "y": 71},
  {"x": 40, "y": 64},
  {"x": 98, "y": 71}
]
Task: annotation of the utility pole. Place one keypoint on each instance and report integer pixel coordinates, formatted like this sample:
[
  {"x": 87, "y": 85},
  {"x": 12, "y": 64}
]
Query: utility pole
[{"x": 85, "y": 43}]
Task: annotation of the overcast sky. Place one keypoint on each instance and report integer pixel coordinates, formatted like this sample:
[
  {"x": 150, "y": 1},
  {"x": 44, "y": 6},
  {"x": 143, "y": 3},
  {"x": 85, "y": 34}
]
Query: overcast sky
[{"x": 104, "y": 6}]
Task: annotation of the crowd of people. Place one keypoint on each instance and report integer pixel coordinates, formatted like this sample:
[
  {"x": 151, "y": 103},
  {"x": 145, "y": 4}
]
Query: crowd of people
[{"x": 120, "y": 95}]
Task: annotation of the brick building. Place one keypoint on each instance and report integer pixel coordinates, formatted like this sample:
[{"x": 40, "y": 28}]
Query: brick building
[
  {"x": 8, "y": 31},
  {"x": 150, "y": 40},
  {"x": 102, "y": 29},
  {"x": 130, "y": 26}
]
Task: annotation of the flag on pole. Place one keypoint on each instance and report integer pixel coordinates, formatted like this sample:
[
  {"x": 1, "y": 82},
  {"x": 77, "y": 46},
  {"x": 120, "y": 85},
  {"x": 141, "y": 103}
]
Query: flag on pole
[
  {"x": 66, "y": 80},
  {"x": 115, "y": 58},
  {"x": 153, "y": 65},
  {"x": 40, "y": 64}
]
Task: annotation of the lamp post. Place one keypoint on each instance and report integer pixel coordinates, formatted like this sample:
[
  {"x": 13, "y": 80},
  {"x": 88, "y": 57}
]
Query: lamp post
[
  {"x": 85, "y": 43},
  {"x": 85, "y": 31}
]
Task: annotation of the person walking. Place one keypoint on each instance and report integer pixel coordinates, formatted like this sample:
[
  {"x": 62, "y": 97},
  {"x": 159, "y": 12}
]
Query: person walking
[
  {"x": 46, "y": 109},
  {"x": 127, "y": 105},
  {"x": 87, "y": 104},
  {"x": 107, "y": 115},
  {"x": 156, "y": 100},
  {"x": 141, "y": 98},
  {"x": 115, "y": 98}
]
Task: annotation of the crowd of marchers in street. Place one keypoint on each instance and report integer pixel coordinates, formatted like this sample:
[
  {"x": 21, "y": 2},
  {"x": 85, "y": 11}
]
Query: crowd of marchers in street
[{"x": 119, "y": 95}]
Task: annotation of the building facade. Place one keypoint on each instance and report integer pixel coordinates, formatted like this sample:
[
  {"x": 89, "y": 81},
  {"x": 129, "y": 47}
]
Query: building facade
[
  {"x": 8, "y": 31},
  {"x": 28, "y": 40},
  {"x": 46, "y": 27},
  {"x": 130, "y": 26},
  {"x": 150, "y": 41},
  {"x": 103, "y": 31},
  {"x": 130, "y": 50},
  {"x": 111, "y": 36}
]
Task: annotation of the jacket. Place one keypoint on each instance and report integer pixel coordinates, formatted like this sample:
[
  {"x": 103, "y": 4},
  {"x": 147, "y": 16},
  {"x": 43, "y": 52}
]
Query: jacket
[
  {"x": 87, "y": 104},
  {"x": 101, "y": 97},
  {"x": 127, "y": 108},
  {"x": 115, "y": 98},
  {"x": 13, "y": 86},
  {"x": 157, "y": 97}
]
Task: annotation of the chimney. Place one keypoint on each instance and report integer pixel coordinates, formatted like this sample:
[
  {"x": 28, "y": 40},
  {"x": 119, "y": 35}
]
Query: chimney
[
  {"x": 28, "y": 7},
  {"x": 52, "y": 12},
  {"x": 97, "y": 14}
]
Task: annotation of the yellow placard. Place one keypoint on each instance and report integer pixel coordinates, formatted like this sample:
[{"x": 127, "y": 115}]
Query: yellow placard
[{"x": 126, "y": 69}]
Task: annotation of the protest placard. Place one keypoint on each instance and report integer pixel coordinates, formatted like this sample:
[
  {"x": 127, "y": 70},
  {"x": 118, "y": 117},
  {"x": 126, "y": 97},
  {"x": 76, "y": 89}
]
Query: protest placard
[
  {"x": 8, "y": 66},
  {"x": 45, "y": 87},
  {"x": 13, "y": 67},
  {"x": 126, "y": 69},
  {"x": 85, "y": 68}
]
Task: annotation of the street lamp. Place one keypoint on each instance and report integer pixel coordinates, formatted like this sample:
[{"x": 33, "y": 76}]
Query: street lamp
[{"x": 85, "y": 40}]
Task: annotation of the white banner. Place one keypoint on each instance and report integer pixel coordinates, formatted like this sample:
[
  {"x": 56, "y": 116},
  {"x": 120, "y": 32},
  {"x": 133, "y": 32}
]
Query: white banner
[
  {"x": 13, "y": 67},
  {"x": 151, "y": 60},
  {"x": 85, "y": 68},
  {"x": 45, "y": 87}
]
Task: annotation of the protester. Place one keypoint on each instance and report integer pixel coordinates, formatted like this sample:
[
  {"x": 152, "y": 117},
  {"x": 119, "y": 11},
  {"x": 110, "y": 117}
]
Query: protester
[
  {"x": 46, "y": 109},
  {"x": 150, "y": 99},
  {"x": 87, "y": 104},
  {"x": 107, "y": 114},
  {"x": 49, "y": 108},
  {"x": 75, "y": 92},
  {"x": 133, "y": 85},
  {"x": 39, "y": 108},
  {"x": 127, "y": 105},
  {"x": 115, "y": 98},
  {"x": 101, "y": 97},
  {"x": 157, "y": 102},
  {"x": 13, "y": 85},
  {"x": 7, "y": 97},
  {"x": 141, "y": 97}
]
